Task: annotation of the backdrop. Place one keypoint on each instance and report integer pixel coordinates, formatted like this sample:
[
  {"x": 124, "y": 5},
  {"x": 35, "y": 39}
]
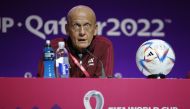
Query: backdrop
[{"x": 25, "y": 25}]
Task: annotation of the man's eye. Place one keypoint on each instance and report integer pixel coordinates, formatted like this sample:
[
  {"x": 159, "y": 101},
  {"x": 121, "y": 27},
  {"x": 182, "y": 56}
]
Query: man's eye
[
  {"x": 87, "y": 25},
  {"x": 76, "y": 26}
]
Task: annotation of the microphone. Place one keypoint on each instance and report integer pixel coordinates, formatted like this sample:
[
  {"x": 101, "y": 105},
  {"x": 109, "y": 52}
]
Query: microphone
[
  {"x": 80, "y": 56},
  {"x": 103, "y": 75}
]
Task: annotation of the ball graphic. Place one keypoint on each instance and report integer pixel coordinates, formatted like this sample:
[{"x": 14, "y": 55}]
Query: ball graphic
[{"x": 155, "y": 57}]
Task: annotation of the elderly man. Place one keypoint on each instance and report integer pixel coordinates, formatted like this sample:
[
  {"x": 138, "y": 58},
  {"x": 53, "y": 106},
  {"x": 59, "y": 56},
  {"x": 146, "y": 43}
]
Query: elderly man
[{"x": 95, "y": 53}]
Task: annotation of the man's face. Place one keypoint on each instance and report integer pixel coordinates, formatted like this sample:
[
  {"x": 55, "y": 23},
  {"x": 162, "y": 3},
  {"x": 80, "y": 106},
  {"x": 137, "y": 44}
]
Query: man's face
[{"x": 81, "y": 28}]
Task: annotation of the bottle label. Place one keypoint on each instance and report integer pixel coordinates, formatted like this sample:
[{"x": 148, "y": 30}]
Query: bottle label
[
  {"x": 59, "y": 60},
  {"x": 63, "y": 70},
  {"x": 47, "y": 55}
]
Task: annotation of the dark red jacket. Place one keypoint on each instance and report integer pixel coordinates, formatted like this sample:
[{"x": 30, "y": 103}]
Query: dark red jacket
[{"x": 100, "y": 47}]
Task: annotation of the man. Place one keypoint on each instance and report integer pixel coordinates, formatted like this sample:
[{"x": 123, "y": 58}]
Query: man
[{"x": 89, "y": 54}]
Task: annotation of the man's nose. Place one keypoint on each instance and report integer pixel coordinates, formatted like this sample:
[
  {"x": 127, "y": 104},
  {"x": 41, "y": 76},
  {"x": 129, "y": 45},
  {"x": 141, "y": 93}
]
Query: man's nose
[{"x": 82, "y": 31}]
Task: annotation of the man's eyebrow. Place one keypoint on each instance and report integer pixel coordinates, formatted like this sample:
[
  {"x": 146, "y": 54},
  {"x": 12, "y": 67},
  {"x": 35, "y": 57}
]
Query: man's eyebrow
[
  {"x": 77, "y": 23},
  {"x": 87, "y": 23}
]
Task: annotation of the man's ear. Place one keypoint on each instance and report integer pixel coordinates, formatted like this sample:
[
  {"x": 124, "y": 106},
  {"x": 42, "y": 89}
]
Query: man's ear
[
  {"x": 96, "y": 30},
  {"x": 67, "y": 29}
]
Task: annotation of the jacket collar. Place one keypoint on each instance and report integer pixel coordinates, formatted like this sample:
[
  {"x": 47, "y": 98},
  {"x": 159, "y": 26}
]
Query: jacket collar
[{"x": 76, "y": 52}]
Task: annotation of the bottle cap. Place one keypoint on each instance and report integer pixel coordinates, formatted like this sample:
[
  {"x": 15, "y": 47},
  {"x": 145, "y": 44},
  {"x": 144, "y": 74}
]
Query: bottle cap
[
  {"x": 48, "y": 42},
  {"x": 61, "y": 44}
]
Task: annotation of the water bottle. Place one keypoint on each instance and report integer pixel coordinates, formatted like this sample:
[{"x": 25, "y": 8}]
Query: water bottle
[
  {"x": 62, "y": 61},
  {"x": 49, "y": 61}
]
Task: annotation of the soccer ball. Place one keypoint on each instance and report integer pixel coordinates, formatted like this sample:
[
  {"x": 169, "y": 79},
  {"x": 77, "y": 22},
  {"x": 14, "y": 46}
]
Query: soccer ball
[{"x": 155, "y": 57}]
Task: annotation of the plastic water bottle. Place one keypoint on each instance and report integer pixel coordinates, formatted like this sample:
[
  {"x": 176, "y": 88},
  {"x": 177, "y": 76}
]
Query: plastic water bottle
[
  {"x": 62, "y": 61},
  {"x": 49, "y": 61}
]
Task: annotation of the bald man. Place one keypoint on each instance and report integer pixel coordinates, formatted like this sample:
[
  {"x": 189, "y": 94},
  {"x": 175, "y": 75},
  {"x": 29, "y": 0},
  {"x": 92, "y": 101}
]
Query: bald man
[{"x": 89, "y": 55}]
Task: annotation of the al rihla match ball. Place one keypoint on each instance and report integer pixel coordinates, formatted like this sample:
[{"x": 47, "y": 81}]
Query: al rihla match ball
[{"x": 155, "y": 57}]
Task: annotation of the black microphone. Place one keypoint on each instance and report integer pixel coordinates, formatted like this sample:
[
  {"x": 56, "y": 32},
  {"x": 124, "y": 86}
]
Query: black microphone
[{"x": 103, "y": 75}]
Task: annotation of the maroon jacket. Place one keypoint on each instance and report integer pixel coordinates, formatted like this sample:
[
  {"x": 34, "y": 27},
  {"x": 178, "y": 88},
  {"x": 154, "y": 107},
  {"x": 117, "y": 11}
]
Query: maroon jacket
[{"x": 100, "y": 47}]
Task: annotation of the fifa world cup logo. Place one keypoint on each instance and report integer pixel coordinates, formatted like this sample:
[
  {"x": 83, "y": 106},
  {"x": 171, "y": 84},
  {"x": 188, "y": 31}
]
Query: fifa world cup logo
[{"x": 99, "y": 99}]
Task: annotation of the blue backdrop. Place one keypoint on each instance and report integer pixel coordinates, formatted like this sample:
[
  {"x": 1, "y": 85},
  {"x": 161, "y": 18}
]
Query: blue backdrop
[{"x": 24, "y": 26}]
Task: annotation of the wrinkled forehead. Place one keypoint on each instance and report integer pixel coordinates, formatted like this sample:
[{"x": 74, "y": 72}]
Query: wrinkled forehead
[{"x": 81, "y": 13}]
